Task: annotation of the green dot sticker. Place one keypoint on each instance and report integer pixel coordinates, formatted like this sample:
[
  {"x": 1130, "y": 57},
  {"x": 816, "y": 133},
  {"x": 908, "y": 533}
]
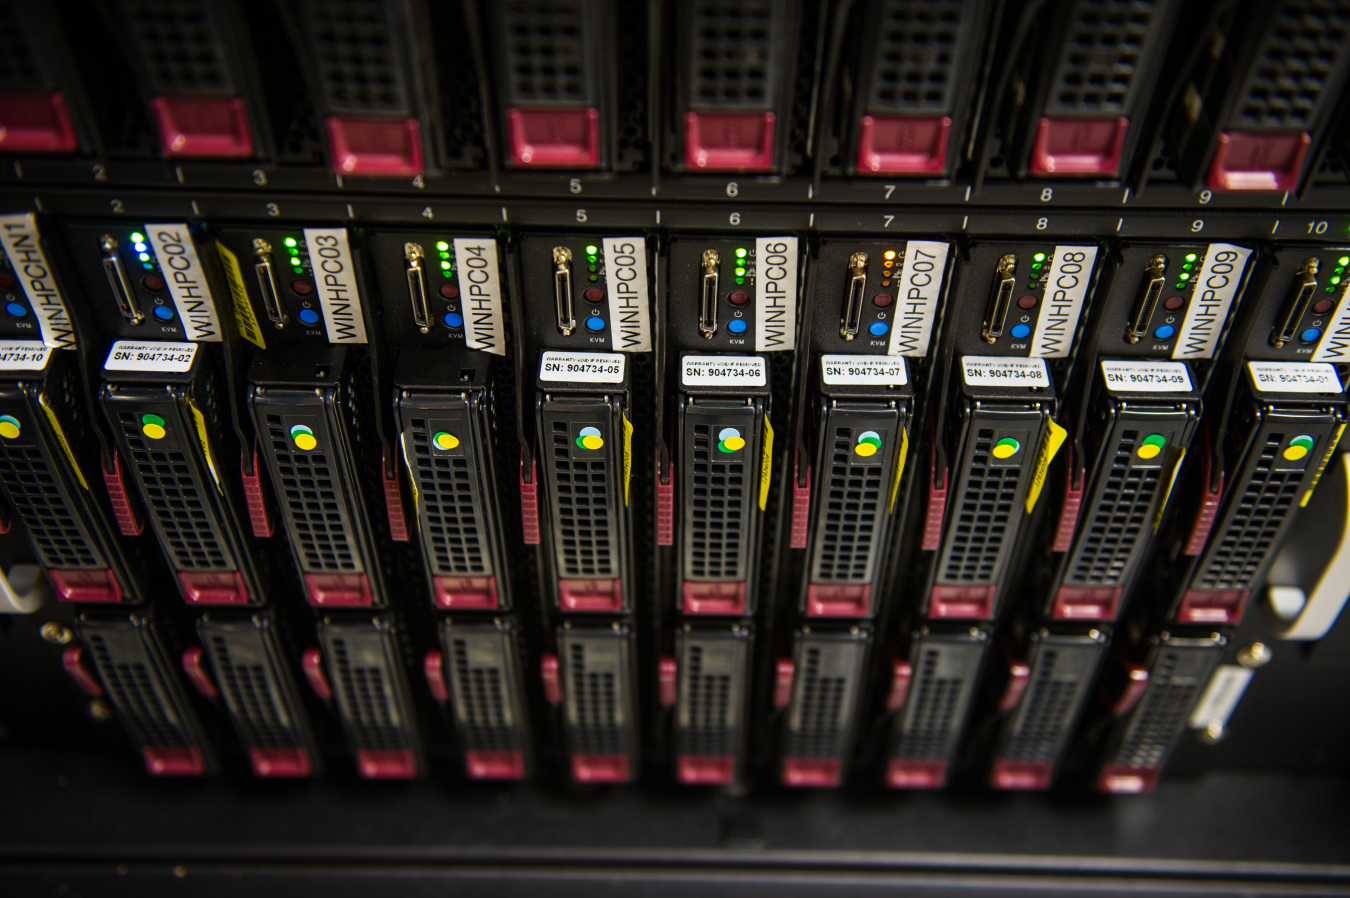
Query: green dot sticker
[
  {"x": 590, "y": 438},
  {"x": 729, "y": 439},
  {"x": 303, "y": 438},
  {"x": 9, "y": 427},
  {"x": 153, "y": 426},
  {"x": 1006, "y": 448},
  {"x": 1298, "y": 447},
  {"x": 1152, "y": 445},
  {"x": 869, "y": 443},
  {"x": 445, "y": 440}
]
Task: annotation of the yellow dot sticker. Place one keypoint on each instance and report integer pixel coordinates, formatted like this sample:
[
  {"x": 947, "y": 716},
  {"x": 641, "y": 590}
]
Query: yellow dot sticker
[
  {"x": 1151, "y": 446},
  {"x": 1298, "y": 448},
  {"x": 869, "y": 444},
  {"x": 445, "y": 440},
  {"x": 153, "y": 426},
  {"x": 9, "y": 427},
  {"x": 1006, "y": 448},
  {"x": 303, "y": 438},
  {"x": 729, "y": 439},
  {"x": 590, "y": 438}
]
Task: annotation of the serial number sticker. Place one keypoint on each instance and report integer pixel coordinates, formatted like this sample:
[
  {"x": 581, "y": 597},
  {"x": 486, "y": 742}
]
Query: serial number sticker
[
  {"x": 878, "y": 370},
  {"x": 1004, "y": 371},
  {"x": 723, "y": 370},
  {"x": 1295, "y": 377},
  {"x": 1147, "y": 377},
  {"x": 585, "y": 367},
  {"x": 138, "y": 355},
  {"x": 24, "y": 355}
]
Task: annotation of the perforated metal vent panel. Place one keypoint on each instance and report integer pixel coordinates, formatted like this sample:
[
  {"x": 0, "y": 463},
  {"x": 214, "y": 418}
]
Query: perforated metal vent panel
[
  {"x": 1177, "y": 674},
  {"x": 736, "y": 50},
  {"x": 720, "y": 499},
  {"x": 247, "y": 672},
  {"x": 358, "y": 55},
  {"x": 710, "y": 702},
  {"x": 485, "y": 682},
  {"x": 1101, "y": 56},
  {"x": 822, "y": 715},
  {"x": 549, "y": 58},
  {"x": 178, "y": 45},
  {"x": 917, "y": 50},
  {"x": 1302, "y": 47},
  {"x": 1062, "y": 673},
  {"x": 454, "y": 522},
  {"x": 597, "y": 691},
  {"x": 585, "y": 491},
  {"x": 945, "y": 673},
  {"x": 145, "y": 702},
  {"x": 853, "y": 502},
  {"x": 368, "y": 685},
  {"x": 20, "y": 68}
]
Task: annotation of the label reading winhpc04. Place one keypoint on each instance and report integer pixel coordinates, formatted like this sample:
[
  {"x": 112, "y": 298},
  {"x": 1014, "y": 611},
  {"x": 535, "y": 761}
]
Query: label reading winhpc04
[{"x": 480, "y": 290}]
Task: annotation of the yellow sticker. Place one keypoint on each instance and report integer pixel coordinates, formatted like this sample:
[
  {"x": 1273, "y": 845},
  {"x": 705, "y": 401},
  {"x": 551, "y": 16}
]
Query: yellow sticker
[
  {"x": 1054, "y": 438},
  {"x": 899, "y": 467},
  {"x": 243, "y": 309},
  {"x": 412, "y": 477},
  {"x": 1323, "y": 466},
  {"x": 61, "y": 438},
  {"x": 206, "y": 446},
  {"x": 766, "y": 464},
  {"x": 627, "y": 456},
  {"x": 1171, "y": 482}
]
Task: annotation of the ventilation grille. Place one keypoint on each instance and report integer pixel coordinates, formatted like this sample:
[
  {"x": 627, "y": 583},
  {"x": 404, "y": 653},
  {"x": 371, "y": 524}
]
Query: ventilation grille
[
  {"x": 710, "y": 728},
  {"x": 983, "y": 514},
  {"x": 1047, "y": 710},
  {"x": 177, "y": 43},
  {"x": 584, "y": 509},
  {"x": 314, "y": 502},
  {"x": 1160, "y": 717},
  {"x": 1237, "y": 554},
  {"x": 915, "y": 69},
  {"x": 482, "y": 701},
  {"x": 733, "y": 53},
  {"x": 1118, "y": 519},
  {"x": 19, "y": 68},
  {"x": 594, "y": 697},
  {"x": 453, "y": 527},
  {"x": 546, "y": 54},
  {"x": 367, "y": 696},
  {"x": 937, "y": 705},
  {"x": 1295, "y": 64},
  {"x": 141, "y": 700},
  {"x": 1101, "y": 56},
  {"x": 719, "y": 519},
  {"x": 356, "y": 54},
  {"x": 821, "y": 713},
  {"x": 260, "y": 708},
  {"x": 41, "y": 502},
  {"x": 851, "y": 520}
]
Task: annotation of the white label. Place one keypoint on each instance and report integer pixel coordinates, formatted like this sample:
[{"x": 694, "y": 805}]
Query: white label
[
  {"x": 1215, "y": 287},
  {"x": 630, "y": 317},
  {"x": 878, "y": 370},
  {"x": 1066, "y": 286},
  {"x": 1147, "y": 377},
  {"x": 480, "y": 294},
  {"x": 24, "y": 249},
  {"x": 584, "y": 367},
  {"x": 1294, "y": 377},
  {"x": 916, "y": 299},
  {"x": 1221, "y": 696},
  {"x": 723, "y": 371},
  {"x": 335, "y": 280},
  {"x": 775, "y": 293},
  {"x": 1004, "y": 371},
  {"x": 24, "y": 355},
  {"x": 1335, "y": 343},
  {"x": 177, "y": 257},
  {"x": 139, "y": 355}
]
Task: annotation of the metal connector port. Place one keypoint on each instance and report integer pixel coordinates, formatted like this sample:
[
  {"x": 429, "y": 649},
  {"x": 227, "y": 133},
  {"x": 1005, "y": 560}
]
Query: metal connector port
[
  {"x": 707, "y": 307},
  {"x": 1000, "y": 298},
  {"x": 562, "y": 290},
  {"x": 267, "y": 282},
  {"x": 417, "y": 286},
  {"x": 1300, "y": 295},
  {"x": 857, "y": 284},
  {"x": 1150, "y": 291},
  {"x": 118, "y": 282}
]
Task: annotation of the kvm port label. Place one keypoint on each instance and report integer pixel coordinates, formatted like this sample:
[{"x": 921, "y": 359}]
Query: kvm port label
[
  {"x": 584, "y": 367},
  {"x": 1147, "y": 377},
  {"x": 1294, "y": 377},
  {"x": 1000, "y": 371}
]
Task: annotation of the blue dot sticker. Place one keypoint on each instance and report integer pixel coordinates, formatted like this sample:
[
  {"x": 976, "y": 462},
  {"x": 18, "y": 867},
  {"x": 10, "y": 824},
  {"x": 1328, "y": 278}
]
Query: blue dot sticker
[
  {"x": 16, "y": 309},
  {"x": 1020, "y": 331},
  {"x": 1165, "y": 332},
  {"x": 737, "y": 325},
  {"x": 595, "y": 323},
  {"x": 878, "y": 328},
  {"x": 309, "y": 316},
  {"x": 1310, "y": 335},
  {"x": 163, "y": 313},
  {"x": 453, "y": 319}
]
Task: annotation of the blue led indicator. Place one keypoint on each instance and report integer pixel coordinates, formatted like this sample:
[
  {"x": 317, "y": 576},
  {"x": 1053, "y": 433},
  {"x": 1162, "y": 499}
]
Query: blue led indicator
[
  {"x": 878, "y": 328},
  {"x": 1020, "y": 331},
  {"x": 453, "y": 319},
  {"x": 1310, "y": 335},
  {"x": 737, "y": 325},
  {"x": 16, "y": 309},
  {"x": 1165, "y": 332},
  {"x": 595, "y": 323},
  {"x": 309, "y": 316},
  {"x": 163, "y": 313}
]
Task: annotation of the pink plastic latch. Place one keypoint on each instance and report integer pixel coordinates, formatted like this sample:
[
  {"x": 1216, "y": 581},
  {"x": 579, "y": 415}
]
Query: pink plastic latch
[
  {"x": 173, "y": 761},
  {"x": 386, "y": 764},
  {"x": 554, "y": 138},
  {"x": 728, "y": 141},
  {"x": 902, "y": 674},
  {"x": 529, "y": 503},
  {"x": 838, "y": 599},
  {"x": 213, "y": 587},
  {"x": 665, "y": 510},
  {"x": 72, "y": 659},
  {"x": 494, "y": 765},
  {"x": 903, "y": 774},
  {"x": 1136, "y": 684},
  {"x": 962, "y": 602},
  {"x": 262, "y": 523},
  {"x": 937, "y": 508},
  {"x": 1068, "y": 513},
  {"x": 812, "y": 773},
  {"x": 600, "y": 768},
  {"x": 590, "y": 595},
  {"x": 1212, "y": 606},
  {"x": 433, "y": 666},
  {"x": 203, "y": 127},
  {"x": 1117, "y": 779},
  {"x": 466, "y": 593},
  {"x": 903, "y": 145},
  {"x": 280, "y": 763},
  {"x": 782, "y": 682},
  {"x": 801, "y": 511},
  {"x": 705, "y": 770},
  {"x": 338, "y": 590},
  {"x": 1258, "y": 160},
  {"x": 548, "y": 672},
  {"x": 666, "y": 681},
  {"x": 123, "y": 510},
  {"x": 85, "y": 585},
  {"x": 35, "y": 122},
  {"x": 380, "y": 147},
  {"x": 1099, "y": 603},
  {"x": 312, "y": 664},
  {"x": 705, "y": 597},
  {"x": 1204, "y": 518},
  {"x": 393, "y": 506},
  {"x": 1079, "y": 146},
  {"x": 1019, "y": 677},
  {"x": 194, "y": 665},
  {"x": 1022, "y": 775}
]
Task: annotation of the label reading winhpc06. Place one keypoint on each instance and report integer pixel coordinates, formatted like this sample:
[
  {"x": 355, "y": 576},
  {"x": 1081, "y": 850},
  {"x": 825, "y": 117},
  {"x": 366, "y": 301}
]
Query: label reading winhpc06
[{"x": 775, "y": 293}]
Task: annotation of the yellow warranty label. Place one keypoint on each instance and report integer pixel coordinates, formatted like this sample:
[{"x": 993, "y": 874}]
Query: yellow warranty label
[
  {"x": 627, "y": 456},
  {"x": 899, "y": 467},
  {"x": 766, "y": 464},
  {"x": 243, "y": 310},
  {"x": 1054, "y": 438}
]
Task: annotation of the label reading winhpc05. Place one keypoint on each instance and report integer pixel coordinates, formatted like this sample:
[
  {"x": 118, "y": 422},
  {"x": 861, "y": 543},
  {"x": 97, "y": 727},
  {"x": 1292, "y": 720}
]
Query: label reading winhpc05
[{"x": 626, "y": 284}]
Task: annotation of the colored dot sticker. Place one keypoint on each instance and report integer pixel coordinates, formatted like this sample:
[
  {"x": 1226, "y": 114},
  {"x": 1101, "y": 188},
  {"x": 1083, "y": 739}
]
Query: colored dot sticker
[
  {"x": 1151, "y": 446},
  {"x": 1006, "y": 448},
  {"x": 590, "y": 438},
  {"x": 303, "y": 438},
  {"x": 9, "y": 427},
  {"x": 445, "y": 440},
  {"x": 869, "y": 443},
  {"x": 729, "y": 439},
  {"x": 1298, "y": 447},
  {"x": 153, "y": 426}
]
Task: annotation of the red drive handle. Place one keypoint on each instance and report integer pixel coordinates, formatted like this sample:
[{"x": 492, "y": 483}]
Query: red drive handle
[
  {"x": 548, "y": 670},
  {"x": 312, "y": 662},
  {"x": 194, "y": 665},
  {"x": 665, "y": 506},
  {"x": 1068, "y": 514},
  {"x": 902, "y": 674},
  {"x": 127, "y": 524},
  {"x": 1019, "y": 675},
  {"x": 72, "y": 659},
  {"x": 393, "y": 505},
  {"x": 801, "y": 510},
  {"x": 258, "y": 518},
  {"x": 434, "y": 668},
  {"x": 1209, "y": 500},
  {"x": 782, "y": 683},
  {"x": 529, "y": 503},
  {"x": 937, "y": 508},
  {"x": 667, "y": 680},
  {"x": 1136, "y": 683}
]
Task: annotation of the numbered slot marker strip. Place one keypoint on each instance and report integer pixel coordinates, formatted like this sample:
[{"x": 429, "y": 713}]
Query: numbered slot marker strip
[
  {"x": 1294, "y": 377},
  {"x": 1066, "y": 287},
  {"x": 1004, "y": 371},
  {"x": 139, "y": 355},
  {"x": 177, "y": 257},
  {"x": 1147, "y": 377},
  {"x": 775, "y": 293},
  {"x": 24, "y": 248},
  {"x": 582, "y": 367},
  {"x": 876, "y": 370},
  {"x": 480, "y": 292},
  {"x": 626, "y": 284},
  {"x": 24, "y": 355},
  {"x": 1212, "y": 298},
  {"x": 335, "y": 280},
  {"x": 723, "y": 371},
  {"x": 917, "y": 297}
]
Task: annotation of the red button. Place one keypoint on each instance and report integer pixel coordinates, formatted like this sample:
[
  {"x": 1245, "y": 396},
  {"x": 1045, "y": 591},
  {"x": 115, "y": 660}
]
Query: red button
[
  {"x": 302, "y": 288},
  {"x": 1172, "y": 303},
  {"x": 152, "y": 283},
  {"x": 35, "y": 123},
  {"x": 376, "y": 146},
  {"x": 449, "y": 291},
  {"x": 6, "y": 280},
  {"x": 594, "y": 294},
  {"x": 1027, "y": 302},
  {"x": 739, "y": 297},
  {"x": 1322, "y": 306},
  {"x": 882, "y": 300},
  {"x": 203, "y": 127}
]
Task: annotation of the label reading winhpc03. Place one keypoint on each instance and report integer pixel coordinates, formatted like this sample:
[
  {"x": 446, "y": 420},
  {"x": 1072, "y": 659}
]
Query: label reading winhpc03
[
  {"x": 626, "y": 283},
  {"x": 1215, "y": 288},
  {"x": 1066, "y": 287},
  {"x": 480, "y": 292},
  {"x": 775, "y": 293},
  {"x": 917, "y": 297},
  {"x": 177, "y": 257},
  {"x": 335, "y": 280},
  {"x": 24, "y": 249}
]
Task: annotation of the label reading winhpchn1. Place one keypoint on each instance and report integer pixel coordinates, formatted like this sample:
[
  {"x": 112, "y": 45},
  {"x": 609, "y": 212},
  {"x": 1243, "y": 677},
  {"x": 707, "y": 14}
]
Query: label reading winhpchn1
[
  {"x": 1066, "y": 286},
  {"x": 916, "y": 299},
  {"x": 1294, "y": 377},
  {"x": 1335, "y": 343},
  {"x": 24, "y": 248},
  {"x": 1215, "y": 287},
  {"x": 335, "y": 281},
  {"x": 1221, "y": 696},
  {"x": 140, "y": 355},
  {"x": 182, "y": 270},
  {"x": 480, "y": 294},
  {"x": 723, "y": 371},
  {"x": 775, "y": 293},
  {"x": 877, "y": 370},
  {"x": 583, "y": 367},
  {"x": 630, "y": 317},
  {"x": 24, "y": 355},
  {"x": 1147, "y": 377},
  {"x": 1004, "y": 371}
]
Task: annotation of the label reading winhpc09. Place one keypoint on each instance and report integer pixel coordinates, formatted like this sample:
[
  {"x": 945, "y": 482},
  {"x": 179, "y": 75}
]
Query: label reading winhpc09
[
  {"x": 1215, "y": 287},
  {"x": 916, "y": 299},
  {"x": 1065, "y": 288},
  {"x": 177, "y": 257},
  {"x": 335, "y": 280},
  {"x": 775, "y": 293},
  {"x": 24, "y": 249},
  {"x": 480, "y": 292},
  {"x": 626, "y": 282}
]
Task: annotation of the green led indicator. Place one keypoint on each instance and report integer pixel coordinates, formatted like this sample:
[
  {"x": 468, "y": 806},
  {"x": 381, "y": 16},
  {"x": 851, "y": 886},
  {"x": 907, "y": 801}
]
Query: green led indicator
[
  {"x": 1190, "y": 257},
  {"x": 138, "y": 237},
  {"x": 1036, "y": 266},
  {"x": 1335, "y": 280},
  {"x": 445, "y": 265},
  {"x": 740, "y": 280},
  {"x": 442, "y": 245},
  {"x": 1039, "y": 257},
  {"x": 290, "y": 241},
  {"x": 740, "y": 272},
  {"x": 1343, "y": 260},
  {"x": 592, "y": 250},
  {"x": 1340, "y": 268},
  {"x": 740, "y": 253},
  {"x": 147, "y": 266},
  {"x": 593, "y": 278},
  {"x": 1184, "y": 276}
]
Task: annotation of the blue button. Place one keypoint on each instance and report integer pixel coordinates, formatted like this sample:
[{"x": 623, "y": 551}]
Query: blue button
[
  {"x": 878, "y": 328},
  {"x": 16, "y": 309},
  {"x": 453, "y": 319},
  {"x": 1165, "y": 332},
  {"x": 309, "y": 316},
  {"x": 1020, "y": 330},
  {"x": 163, "y": 313},
  {"x": 1310, "y": 335},
  {"x": 595, "y": 323},
  {"x": 737, "y": 325}
]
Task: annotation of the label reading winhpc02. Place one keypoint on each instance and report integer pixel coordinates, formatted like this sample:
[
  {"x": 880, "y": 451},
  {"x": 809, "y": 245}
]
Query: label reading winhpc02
[
  {"x": 177, "y": 257},
  {"x": 24, "y": 249},
  {"x": 626, "y": 283},
  {"x": 480, "y": 292},
  {"x": 335, "y": 280},
  {"x": 916, "y": 299},
  {"x": 1066, "y": 286},
  {"x": 775, "y": 293},
  {"x": 1215, "y": 288}
]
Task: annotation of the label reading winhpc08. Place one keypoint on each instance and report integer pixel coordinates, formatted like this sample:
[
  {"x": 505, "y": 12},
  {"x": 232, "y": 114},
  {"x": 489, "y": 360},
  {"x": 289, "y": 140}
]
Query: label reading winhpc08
[
  {"x": 1066, "y": 286},
  {"x": 335, "y": 280},
  {"x": 23, "y": 246},
  {"x": 183, "y": 275}
]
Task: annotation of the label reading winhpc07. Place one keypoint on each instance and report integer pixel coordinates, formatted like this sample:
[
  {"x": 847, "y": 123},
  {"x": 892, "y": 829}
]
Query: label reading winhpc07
[
  {"x": 335, "y": 281},
  {"x": 1215, "y": 287},
  {"x": 1066, "y": 287},
  {"x": 480, "y": 292},
  {"x": 916, "y": 299},
  {"x": 24, "y": 249},
  {"x": 626, "y": 282},
  {"x": 775, "y": 293},
  {"x": 177, "y": 257}
]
